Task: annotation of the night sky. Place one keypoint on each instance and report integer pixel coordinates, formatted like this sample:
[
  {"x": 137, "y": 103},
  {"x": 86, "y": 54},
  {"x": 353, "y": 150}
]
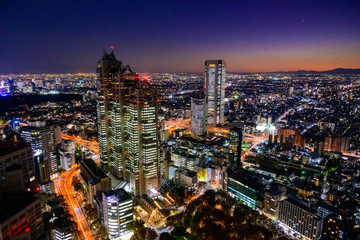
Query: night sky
[{"x": 177, "y": 35}]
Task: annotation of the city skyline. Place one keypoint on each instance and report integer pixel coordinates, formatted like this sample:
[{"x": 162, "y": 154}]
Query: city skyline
[
  {"x": 252, "y": 36},
  {"x": 166, "y": 120}
]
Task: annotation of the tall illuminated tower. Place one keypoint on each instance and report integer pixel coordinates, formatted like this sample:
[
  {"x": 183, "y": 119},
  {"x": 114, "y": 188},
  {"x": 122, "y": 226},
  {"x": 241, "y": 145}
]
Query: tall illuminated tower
[
  {"x": 142, "y": 138},
  {"x": 108, "y": 68},
  {"x": 198, "y": 116},
  {"x": 127, "y": 110},
  {"x": 115, "y": 82},
  {"x": 215, "y": 78},
  {"x": 39, "y": 136},
  {"x": 236, "y": 138},
  {"x": 118, "y": 152}
]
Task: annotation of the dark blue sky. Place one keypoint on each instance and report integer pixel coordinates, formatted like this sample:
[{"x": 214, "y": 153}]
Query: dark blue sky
[{"x": 176, "y": 36}]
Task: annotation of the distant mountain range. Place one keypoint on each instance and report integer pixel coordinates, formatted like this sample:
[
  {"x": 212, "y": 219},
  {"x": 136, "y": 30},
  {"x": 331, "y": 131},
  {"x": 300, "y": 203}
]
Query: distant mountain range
[{"x": 334, "y": 71}]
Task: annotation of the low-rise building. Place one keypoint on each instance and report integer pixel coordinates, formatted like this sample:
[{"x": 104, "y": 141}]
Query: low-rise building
[
  {"x": 94, "y": 178},
  {"x": 186, "y": 177},
  {"x": 248, "y": 187}
]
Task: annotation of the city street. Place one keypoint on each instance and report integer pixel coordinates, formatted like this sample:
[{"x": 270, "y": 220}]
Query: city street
[{"x": 63, "y": 186}]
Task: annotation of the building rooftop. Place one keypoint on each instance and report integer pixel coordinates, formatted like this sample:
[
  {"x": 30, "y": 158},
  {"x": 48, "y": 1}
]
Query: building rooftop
[
  {"x": 95, "y": 169},
  {"x": 251, "y": 179},
  {"x": 118, "y": 194},
  {"x": 298, "y": 203},
  {"x": 62, "y": 224},
  {"x": 189, "y": 173},
  {"x": 329, "y": 207},
  {"x": 7, "y": 147},
  {"x": 274, "y": 191}
]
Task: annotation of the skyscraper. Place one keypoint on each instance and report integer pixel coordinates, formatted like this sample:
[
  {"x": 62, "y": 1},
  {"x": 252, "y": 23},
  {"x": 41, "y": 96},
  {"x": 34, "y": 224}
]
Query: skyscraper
[
  {"x": 115, "y": 81},
  {"x": 236, "y": 138},
  {"x": 128, "y": 125},
  {"x": 198, "y": 116},
  {"x": 108, "y": 69},
  {"x": 117, "y": 121},
  {"x": 11, "y": 154},
  {"x": 142, "y": 140},
  {"x": 39, "y": 136},
  {"x": 215, "y": 78}
]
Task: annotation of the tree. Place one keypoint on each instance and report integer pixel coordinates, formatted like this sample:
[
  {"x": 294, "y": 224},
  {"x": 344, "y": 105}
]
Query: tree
[
  {"x": 332, "y": 164},
  {"x": 103, "y": 233},
  {"x": 141, "y": 231},
  {"x": 186, "y": 220},
  {"x": 175, "y": 220},
  {"x": 211, "y": 217},
  {"x": 95, "y": 223},
  {"x": 166, "y": 236},
  {"x": 178, "y": 231}
]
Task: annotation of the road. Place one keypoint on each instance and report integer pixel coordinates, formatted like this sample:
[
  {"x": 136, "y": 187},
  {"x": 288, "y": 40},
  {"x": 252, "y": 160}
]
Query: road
[
  {"x": 185, "y": 124},
  {"x": 63, "y": 186},
  {"x": 172, "y": 125},
  {"x": 92, "y": 145}
]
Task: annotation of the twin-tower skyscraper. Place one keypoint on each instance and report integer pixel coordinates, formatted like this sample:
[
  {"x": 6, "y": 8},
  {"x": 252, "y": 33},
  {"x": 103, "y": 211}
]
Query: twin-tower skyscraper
[{"x": 127, "y": 111}]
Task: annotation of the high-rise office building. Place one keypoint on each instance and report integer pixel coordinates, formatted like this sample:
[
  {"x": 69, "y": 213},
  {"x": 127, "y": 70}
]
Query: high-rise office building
[
  {"x": 115, "y": 81},
  {"x": 198, "y": 116},
  {"x": 215, "y": 80},
  {"x": 117, "y": 121},
  {"x": 142, "y": 140},
  {"x": 12, "y": 87},
  {"x": 108, "y": 69},
  {"x": 118, "y": 212},
  {"x": 241, "y": 185},
  {"x": 39, "y": 136},
  {"x": 17, "y": 153},
  {"x": 235, "y": 144},
  {"x": 128, "y": 125}
]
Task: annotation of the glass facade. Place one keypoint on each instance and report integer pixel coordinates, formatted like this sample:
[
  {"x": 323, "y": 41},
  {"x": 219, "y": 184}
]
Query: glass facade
[
  {"x": 118, "y": 212},
  {"x": 215, "y": 79},
  {"x": 242, "y": 192}
]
